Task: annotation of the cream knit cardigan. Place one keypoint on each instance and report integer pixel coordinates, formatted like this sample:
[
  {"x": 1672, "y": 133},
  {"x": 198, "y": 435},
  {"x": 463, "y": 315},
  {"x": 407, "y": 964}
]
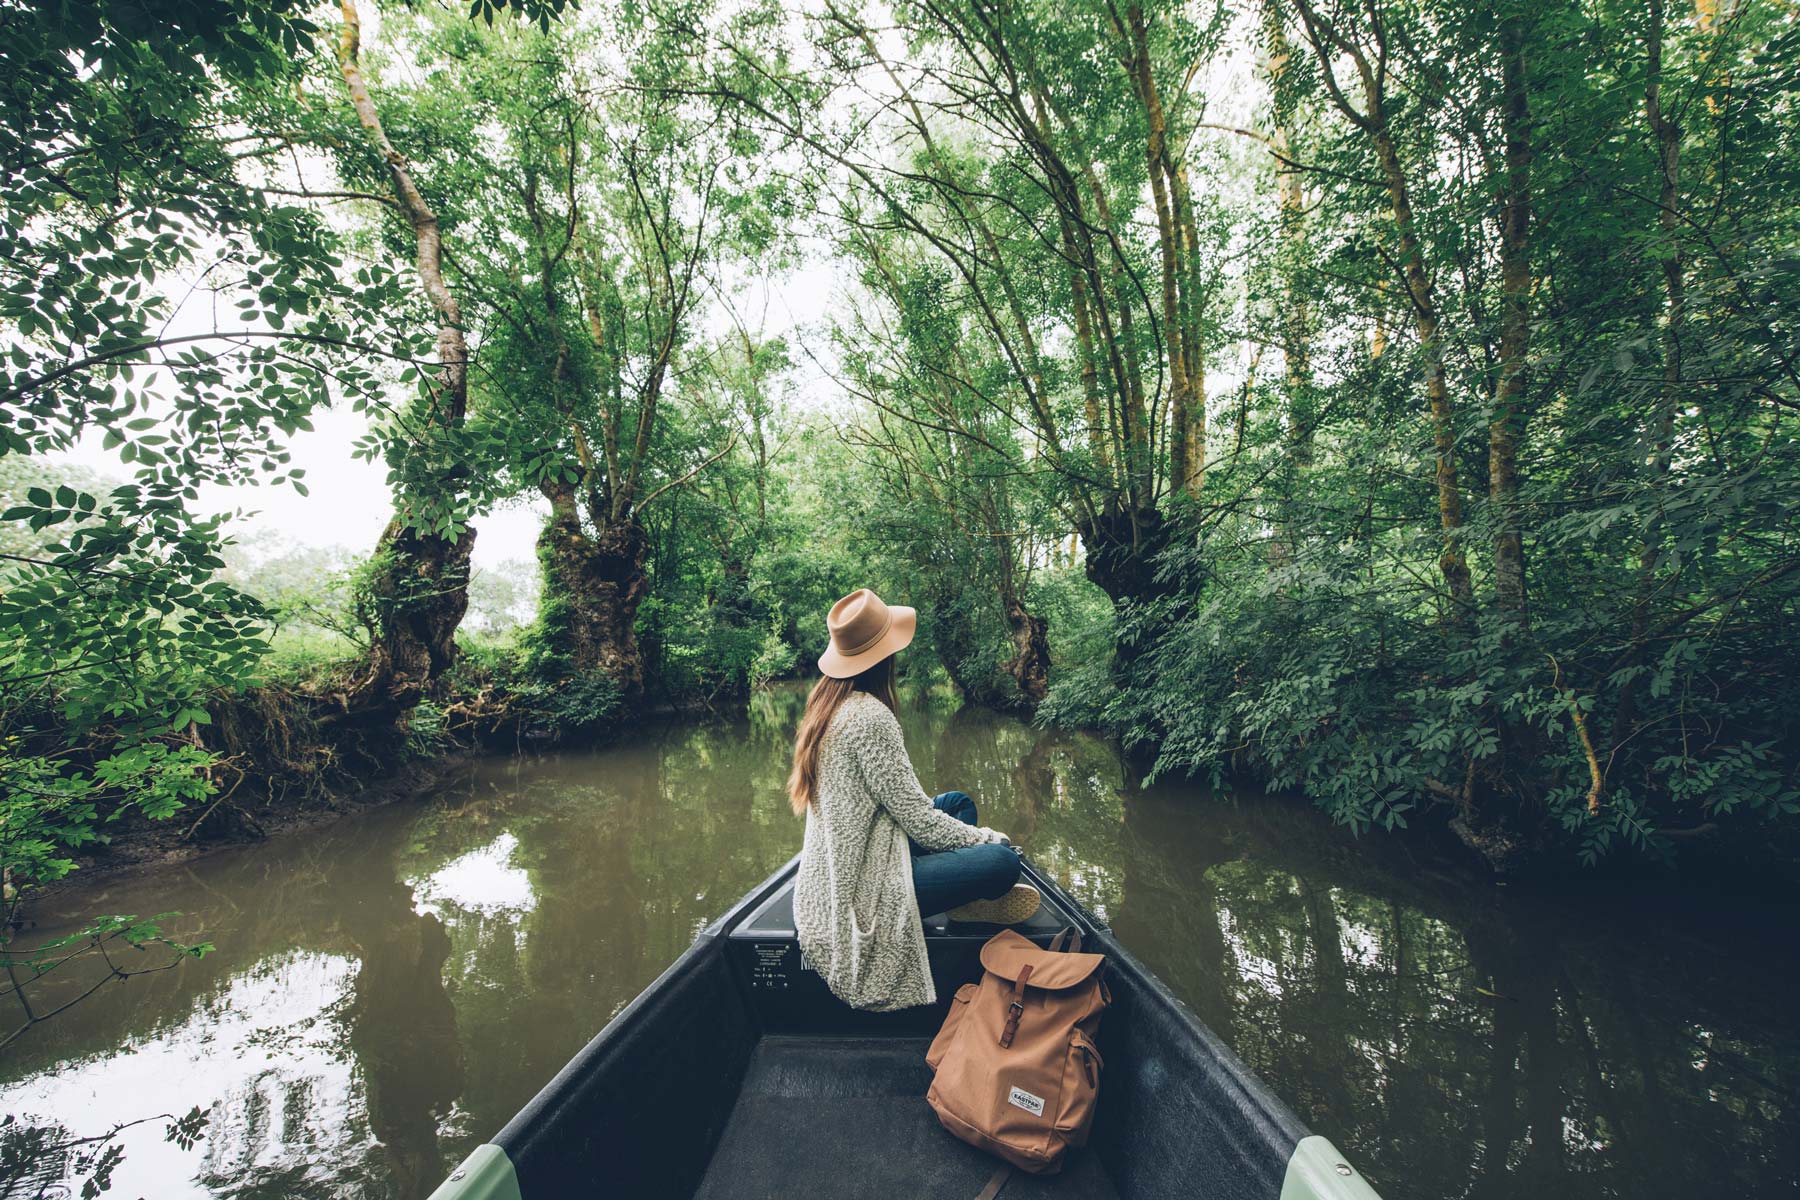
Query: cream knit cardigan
[{"x": 854, "y": 910}]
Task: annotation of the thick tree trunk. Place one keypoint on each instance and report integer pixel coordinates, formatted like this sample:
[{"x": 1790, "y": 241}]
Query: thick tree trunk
[
  {"x": 960, "y": 648},
  {"x": 593, "y": 585},
  {"x": 416, "y": 598},
  {"x": 1030, "y": 664},
  {"x": 1121, "y": 550},
  {"x": 419, "y": 592}
]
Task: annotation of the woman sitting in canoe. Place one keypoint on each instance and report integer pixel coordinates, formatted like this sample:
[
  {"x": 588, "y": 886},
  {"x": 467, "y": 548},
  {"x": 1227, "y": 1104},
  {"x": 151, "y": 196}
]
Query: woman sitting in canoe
[{"x": 879, "y": 853}]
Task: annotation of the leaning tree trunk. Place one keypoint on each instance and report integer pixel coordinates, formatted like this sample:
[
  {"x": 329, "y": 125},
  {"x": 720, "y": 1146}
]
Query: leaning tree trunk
[
  {"x": 1030, "y": 663},
  {"x": 420, "y": 586},
  {"x": 593, "y": 584},
  {"x": 416, "y": 597},
  {"x": 1452, "y": 563},
  {"x": 1296, "y": 323},
  {"x": 960, "y": 649},
  {"x": 1183, "y": 475},
  {"x": 1329, "y": 41}
]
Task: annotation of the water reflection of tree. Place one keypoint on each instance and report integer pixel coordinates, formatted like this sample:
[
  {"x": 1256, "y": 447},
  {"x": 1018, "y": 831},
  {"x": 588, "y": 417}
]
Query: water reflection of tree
[
  {"x": 1057, "y": 794},
  {"x": 628, "y": 852},
  {"x": 1462, "y": 1042},
  {"x": 41, "y": 1160},
  {"x": 403, "y": 1027}
]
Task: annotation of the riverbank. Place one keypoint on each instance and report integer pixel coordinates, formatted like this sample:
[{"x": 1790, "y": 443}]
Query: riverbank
[
  {"x": 296, "y": 763},
  {"x": 299, "y": 765},
  {"x": 287, "y": 755},
  {"x": 148, "y": 846}
]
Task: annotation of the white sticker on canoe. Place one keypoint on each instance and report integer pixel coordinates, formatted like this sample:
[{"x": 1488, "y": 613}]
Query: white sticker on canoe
[{"x": 1021, "y": 1098}]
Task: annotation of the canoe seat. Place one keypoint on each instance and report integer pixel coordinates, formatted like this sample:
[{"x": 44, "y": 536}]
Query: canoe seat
[
  {"x": 789, "y": 998},
  {"x": 826, "y": 1117}
]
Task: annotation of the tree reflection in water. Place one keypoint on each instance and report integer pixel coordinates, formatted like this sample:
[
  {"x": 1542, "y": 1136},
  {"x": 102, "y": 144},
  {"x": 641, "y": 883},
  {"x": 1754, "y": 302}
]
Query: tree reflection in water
[
  {"x": 403, "y": 1030},
  {"x": 400, "y": 984}
]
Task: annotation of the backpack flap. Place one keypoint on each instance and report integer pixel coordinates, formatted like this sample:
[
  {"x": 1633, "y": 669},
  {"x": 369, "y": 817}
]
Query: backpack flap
[{"x": 1007, "y": 954}]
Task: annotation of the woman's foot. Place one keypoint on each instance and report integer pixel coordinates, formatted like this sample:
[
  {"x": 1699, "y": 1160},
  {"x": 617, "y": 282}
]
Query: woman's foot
[{"x": 1016, "y": 905}]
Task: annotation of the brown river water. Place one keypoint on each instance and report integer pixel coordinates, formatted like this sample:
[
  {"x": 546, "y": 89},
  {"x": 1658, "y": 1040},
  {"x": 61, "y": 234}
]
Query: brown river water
[{"x": 387, "y": 991}]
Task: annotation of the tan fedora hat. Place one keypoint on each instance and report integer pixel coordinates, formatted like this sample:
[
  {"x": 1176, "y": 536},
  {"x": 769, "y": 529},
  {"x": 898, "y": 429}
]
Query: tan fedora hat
[{"x": 864, "y": 630}]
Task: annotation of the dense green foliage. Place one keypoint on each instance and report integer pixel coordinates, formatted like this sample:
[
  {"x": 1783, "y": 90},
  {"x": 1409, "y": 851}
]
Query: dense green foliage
[
  {"x": 1393, "y": 403},
  {"x": 169, "y": 293},
  {"x": 1509, "y": 532},
  {"x": 1604, "y": 216}
]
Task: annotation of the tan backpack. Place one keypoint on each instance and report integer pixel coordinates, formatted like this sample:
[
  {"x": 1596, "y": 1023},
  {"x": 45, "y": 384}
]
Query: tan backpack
[{"x": 1017, "y": 1069}]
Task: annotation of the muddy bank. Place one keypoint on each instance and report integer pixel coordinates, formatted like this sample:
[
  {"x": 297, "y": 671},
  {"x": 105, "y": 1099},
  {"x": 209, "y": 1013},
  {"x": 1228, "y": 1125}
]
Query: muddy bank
[{"x": 149, "y": 845}]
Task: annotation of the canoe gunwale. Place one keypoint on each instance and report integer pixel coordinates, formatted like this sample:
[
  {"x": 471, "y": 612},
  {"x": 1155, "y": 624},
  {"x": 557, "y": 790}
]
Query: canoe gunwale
[{"x": 676, "y": 1057}]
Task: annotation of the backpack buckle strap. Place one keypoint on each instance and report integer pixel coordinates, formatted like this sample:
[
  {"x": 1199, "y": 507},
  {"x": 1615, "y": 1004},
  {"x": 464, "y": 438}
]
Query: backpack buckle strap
[{"x": 1016, "y": 1008}]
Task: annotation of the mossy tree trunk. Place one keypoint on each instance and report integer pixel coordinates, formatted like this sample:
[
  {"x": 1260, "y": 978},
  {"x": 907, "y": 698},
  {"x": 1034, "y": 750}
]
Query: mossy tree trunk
[
  {"x": 594, "y": 582},
  {"x": 418, "y": 589},
  {"x": 415, "y": 598}
]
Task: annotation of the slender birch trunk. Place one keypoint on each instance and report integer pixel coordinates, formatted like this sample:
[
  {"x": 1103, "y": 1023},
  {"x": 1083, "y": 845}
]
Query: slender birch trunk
[
  {"x": 1515, "y": 325},
  {"x": 1327, "y": 40}
]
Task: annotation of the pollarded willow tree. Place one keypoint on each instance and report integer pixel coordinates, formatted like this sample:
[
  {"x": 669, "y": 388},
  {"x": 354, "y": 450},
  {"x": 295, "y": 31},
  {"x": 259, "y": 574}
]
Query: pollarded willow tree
[
  {"x": 332, "y": 146},
  {"x": 166, "y": 297},
  {"x": 954, "y": 493},
  {"x": 668, "y": 204},
  {"x": 1016, "y": 145},
  {"x": 417, "y": 585},
  {"x": 174, "y": 297},
  {"x": 591, "y": 198}
]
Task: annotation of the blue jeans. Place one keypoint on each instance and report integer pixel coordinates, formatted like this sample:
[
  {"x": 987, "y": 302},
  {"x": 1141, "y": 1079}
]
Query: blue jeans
[{"x": 943, "y": 879}]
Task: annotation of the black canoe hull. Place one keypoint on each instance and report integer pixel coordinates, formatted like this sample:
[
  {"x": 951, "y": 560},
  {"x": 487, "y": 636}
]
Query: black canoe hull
[{"x": 736, "y": 1073}]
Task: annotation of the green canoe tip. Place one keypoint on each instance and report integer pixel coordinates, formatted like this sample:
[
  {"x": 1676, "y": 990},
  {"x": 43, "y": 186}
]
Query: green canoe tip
[
  {"x": 487, "y": 1174},
  {"x": 1316, "y": 1171}
]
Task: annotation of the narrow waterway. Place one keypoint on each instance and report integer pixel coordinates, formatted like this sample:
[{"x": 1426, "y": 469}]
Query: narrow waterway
[{"x": 386, "y": 992}]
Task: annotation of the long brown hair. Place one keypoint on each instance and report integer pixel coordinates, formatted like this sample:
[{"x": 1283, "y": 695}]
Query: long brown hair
[{"x": 822, "y": 703}]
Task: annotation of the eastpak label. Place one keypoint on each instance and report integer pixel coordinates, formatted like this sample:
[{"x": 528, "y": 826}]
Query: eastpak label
[{"x": 1021, "y": 1098}]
